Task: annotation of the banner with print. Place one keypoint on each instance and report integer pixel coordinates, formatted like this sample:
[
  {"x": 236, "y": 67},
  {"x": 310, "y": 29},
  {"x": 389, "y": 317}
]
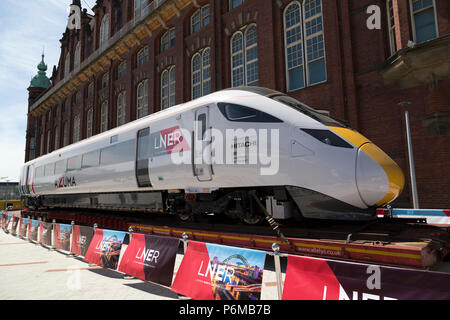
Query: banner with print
[
  {"x": 33, "y": 230},
  {"x": 81, "y": 239},
  {"x": 62, "y": 236},
  {"x": 45, "y": 233},
  {"x": 105, "y": 247},
  {"x": 150, "y": 258},
  {"x": 23, "y": 228},
  {"x": 8, "y": 220},
  {"x": 15, "y": 222},
  {"x": 319, "y": 279},
  {"x": 216, "y": 272}
]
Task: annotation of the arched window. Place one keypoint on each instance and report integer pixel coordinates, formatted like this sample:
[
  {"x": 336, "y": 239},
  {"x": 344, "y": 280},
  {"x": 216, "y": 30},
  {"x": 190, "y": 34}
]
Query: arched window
[
  {"x": 76, "y": 129},
  {"x": 56, "y": 138},
  {"x": 89, "y": 122},
  {"x": 77, "y": 58},
  {"x": 67, "y": 65},
  {"x": 200, "y": 18},
  {"x": 244, "y": 57},
  {"x": 142, "y": 57},
  {"x": 201, "y": 73},
  {"x": 142, "y": 99},
  {"x": 168, "y": 40},
  {"x": 121, "y": 110},
  {"x": 66, "y": 134},
  {"x": 304, "y": 44},
  {"x": 104, "y": 30},
  {"x": 104, "y": 117},
  {"x": 168, "y": 88}
]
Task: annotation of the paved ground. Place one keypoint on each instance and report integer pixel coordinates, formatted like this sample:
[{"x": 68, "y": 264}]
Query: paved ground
[{"x": 30, "y": 271}]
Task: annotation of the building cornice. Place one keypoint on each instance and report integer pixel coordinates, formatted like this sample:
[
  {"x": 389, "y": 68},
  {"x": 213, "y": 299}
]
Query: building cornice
[{"x": 153, "y": 17}]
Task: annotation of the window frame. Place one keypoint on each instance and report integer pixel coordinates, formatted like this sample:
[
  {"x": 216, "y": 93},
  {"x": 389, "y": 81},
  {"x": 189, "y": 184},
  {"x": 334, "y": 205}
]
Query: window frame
[
  {"x": 201, "y": 55},
  {"x": 243, "y": 33},
  {"x": 104, "y": 30},
  {"x": 121, "y": 108},
  {"x": 391, "y": 26},
  {"x": 170, "y": 85},
  {"x": 304, "y": 45},
  {"x": 200, "y": 12},
  {"x": 168, "y": 40},
  {"x": 142, "y": 101},
  {"x": 104, "y": 116},
  {"x": 413, "y": 21}
]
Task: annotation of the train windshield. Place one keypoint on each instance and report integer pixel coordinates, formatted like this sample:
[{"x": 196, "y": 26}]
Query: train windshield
[{"x": 310, "y": 112}]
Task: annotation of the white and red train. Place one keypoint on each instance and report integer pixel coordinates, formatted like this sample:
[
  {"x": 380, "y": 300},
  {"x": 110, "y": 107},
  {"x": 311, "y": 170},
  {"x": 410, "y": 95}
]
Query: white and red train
[{"x": 211, "y": 155}]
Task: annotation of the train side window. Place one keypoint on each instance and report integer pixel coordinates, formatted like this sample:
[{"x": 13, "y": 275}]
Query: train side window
[
  {"x": 39, "y": 172},
  {"x": 74, "y": 163},
  {"x": 60, "y": 166},
  {"x": 90, "y": 159},
  {"x": 143, "y": 144},
  {"x": 119, "y": 153},
  {"x": 238, "y": 113},
  {"x": 49, "y": 169}
]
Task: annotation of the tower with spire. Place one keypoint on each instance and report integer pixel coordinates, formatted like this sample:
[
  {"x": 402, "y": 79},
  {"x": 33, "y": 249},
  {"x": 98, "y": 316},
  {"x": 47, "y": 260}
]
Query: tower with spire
[{"x": 39, "y": 83}]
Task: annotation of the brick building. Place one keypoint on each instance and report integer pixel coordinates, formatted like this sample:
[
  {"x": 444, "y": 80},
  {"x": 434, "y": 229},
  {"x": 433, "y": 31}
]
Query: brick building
[{"x": 357, "y": 59}]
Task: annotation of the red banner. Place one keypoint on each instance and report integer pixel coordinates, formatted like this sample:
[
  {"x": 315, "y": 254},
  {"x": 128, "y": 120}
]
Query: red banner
[
  {"x": 81, "y": 239},
  {"x": 150, "y": 258},
  {"x": 104, "y": 249},
  {"x": 319, "y": 279},
  {"x": 216, "y": 272},
  {"x": 45, "y": 233}
]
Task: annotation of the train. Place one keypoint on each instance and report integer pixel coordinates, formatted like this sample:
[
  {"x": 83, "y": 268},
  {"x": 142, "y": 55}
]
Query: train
[{"x": 243, "y": 153}]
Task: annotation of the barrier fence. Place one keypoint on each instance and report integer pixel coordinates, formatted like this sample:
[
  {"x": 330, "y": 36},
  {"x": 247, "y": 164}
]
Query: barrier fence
[{"x": 217, "y": 272}]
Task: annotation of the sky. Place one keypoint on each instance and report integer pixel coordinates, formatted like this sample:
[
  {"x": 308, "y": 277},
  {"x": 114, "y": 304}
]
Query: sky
[{"x": 27, "y": 27}]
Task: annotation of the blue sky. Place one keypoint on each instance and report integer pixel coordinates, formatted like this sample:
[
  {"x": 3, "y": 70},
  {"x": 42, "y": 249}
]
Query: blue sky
[{"x": 26, "y": 28}]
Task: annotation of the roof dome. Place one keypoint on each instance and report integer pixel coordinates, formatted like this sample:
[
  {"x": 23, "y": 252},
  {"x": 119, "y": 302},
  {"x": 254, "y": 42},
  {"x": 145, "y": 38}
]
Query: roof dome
[{"x": 40, "y": 80}]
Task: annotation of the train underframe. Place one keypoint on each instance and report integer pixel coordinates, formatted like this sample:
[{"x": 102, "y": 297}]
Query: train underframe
[{"x": 250, "y": 205}]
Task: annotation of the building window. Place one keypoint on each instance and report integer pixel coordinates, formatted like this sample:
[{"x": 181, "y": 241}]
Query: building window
[
  {"x": 104, "y": 30},
  {"x": 48, "y": 141},
  {"x": 236, "y": 3},
  {"x": 423, "y": 16},
  {"x": 104, "y": 117},
  {"x": 391, "y": 26},
  {"x": 66, "y": 134},
  {"x": 77, "y": 57},
  {"x": 142, "y": 57},
  {"x": 76, "y": 129},
  {"x": 42, "y": 144},
  {"x": 89, "y": 122},
  {"x": 200, "y": 18},
  {"x": 56, "y": 138},
  {"x": 168, "y": 40},
  {"x": 105, "y": 80},
  {"x": 78, "y": 98},
  {"x": 91, "y": 89},
  {"x": 142, "y": 99},
  {"x": 139, "y": 7},
  {"x": 121, "y": 111},
  {"x": 304, "y": 44},
  {"x": 201, "y": 73},
  {"x": 67, "y": 105},
  {"x": 122, "y": 70},
  {"x": 67, "y": 65},
  {"x": 168, "y": 88},
  {"x": 244, "y": 57}
]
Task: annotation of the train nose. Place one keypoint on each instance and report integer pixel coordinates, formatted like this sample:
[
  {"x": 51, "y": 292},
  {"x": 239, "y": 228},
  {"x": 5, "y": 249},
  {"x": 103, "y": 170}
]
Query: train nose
[{"x": 378, "y": 178}]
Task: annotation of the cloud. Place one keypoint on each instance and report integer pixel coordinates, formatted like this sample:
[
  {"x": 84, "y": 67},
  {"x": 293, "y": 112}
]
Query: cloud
[{"x": 26, "y": 27}]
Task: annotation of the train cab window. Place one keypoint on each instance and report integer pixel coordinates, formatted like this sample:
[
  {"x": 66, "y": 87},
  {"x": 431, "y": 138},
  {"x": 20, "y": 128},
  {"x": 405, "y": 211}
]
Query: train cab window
[
  {"x": 118, "y": 153},
  {"x": 90, "y": 159},
  {"x": 60, "y": 166},
  {"x": 74, "y": 163},
  {"x": 237, "y": 113},
  {"x": 49, "y": 169}
]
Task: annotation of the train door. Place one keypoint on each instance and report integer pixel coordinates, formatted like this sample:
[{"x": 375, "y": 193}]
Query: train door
[
  {"x": 142, "y": 158},
  {"x": 202, "y": 151}
]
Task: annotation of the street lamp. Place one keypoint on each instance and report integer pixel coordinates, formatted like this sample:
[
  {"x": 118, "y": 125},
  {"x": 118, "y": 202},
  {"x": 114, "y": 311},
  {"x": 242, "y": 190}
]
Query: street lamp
[{"x": 412, "y": 171}]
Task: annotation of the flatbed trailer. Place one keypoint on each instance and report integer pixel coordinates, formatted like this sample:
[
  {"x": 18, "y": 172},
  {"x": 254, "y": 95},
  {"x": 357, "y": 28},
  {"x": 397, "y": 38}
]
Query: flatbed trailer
[{"x": 385, "y": 242}]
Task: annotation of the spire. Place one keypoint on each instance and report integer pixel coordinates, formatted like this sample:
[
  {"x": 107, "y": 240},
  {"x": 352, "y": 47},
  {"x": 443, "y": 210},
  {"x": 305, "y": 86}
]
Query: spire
[{"x": 40, "y": 80}]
